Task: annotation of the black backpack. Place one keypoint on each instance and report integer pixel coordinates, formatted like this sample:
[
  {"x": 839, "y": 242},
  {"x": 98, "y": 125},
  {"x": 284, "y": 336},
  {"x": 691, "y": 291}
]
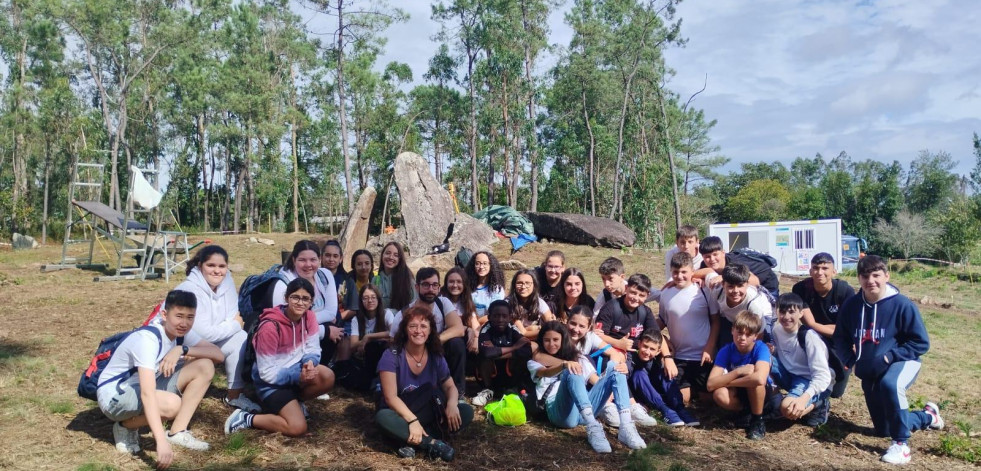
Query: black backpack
[
  {"x": 761, "y": 265},
  {"x": 255, "y": 294},
  {"x": 88, "y": 384}
]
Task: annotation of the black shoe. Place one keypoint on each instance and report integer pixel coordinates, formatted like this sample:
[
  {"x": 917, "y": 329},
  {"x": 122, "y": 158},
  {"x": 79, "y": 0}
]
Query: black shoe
[
  {"x": 756, "y": 430},
  {"x": 440, "y": 449},
  {"x": 406, "y": 452},
  {"x": 819, "y": 415}
]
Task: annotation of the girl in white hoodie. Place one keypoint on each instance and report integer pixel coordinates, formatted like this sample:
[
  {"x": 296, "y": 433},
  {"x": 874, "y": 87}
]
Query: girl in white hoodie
[{"x": 217, "y": 319}]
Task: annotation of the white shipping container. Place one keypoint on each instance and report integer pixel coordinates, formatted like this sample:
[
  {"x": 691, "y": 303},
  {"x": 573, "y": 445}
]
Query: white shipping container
[{"x": 792, "y": 243}]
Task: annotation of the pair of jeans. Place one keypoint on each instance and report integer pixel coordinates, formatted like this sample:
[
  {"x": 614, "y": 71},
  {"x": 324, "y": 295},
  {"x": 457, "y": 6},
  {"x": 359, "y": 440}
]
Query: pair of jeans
[
  {"x": 565, "y": 411},
  {"x": 795, "y": 385}
]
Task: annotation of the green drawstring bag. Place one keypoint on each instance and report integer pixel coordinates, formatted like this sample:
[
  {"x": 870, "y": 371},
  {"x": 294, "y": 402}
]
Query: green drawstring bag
[{"x": 509, "y": 411}]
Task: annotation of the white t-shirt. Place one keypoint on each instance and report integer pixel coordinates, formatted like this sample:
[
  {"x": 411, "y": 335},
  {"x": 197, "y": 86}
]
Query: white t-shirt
[
  {"x": 685, "y": 312},
  {"x": 389, "y": 321},
  {"x": 695, "y": 261},
  {"x": 483, "y": 297},
  {"x": 440, "y": 319},
  {"x": 592, "y": 343},
  {"x": 542, "y": 382},
  {"x": 754, "y": 302},
  {"x": 141, "y": 349}
]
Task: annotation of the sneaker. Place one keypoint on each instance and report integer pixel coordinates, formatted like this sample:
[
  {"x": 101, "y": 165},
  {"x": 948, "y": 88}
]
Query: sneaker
[
  {"x": 819, "y": 415},
  {"x": 628, "y": 436},
  {"x": 597, "y": 438},
  {"x": 244, "y": 403},
  {"x": 323, "y": 397},
  {"x": 672, "y": 418},
  {"x": 936, "y": 422},
  {"x": 756, "y": 430},
  {"x": 406, "y": 452},
  {"x": 238, "y": 420},
  {"x": 898, "y": 453},
  {"x": 640, "y": 416},
  {"x": 689, "y": 419},
  {"x": 440, "y": 449},
  {"x": 127, "y": 441},
  {"x": 482, "y": 398},
  {"x": 186, "y": 440},
  {"x": 611, "y": 415}
]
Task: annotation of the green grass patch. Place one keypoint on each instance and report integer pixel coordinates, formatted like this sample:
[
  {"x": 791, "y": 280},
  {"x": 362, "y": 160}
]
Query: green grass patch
[
  {"x": 648, "y": 458},
  {"x": 91, "y": 466},
  {"x": 236, "y": 442},
  {"x": 61, "y": 407},
  {"x": 829, "y": 433},
  {"x": 961, "y": 445}
]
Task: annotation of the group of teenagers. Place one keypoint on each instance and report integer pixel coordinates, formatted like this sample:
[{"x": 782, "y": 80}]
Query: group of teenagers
[{"x": 721, "y": 334}]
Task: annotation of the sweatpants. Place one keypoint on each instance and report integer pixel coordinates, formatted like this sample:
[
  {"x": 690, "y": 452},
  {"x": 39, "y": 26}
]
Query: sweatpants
[
  {"x": 234, "y": 350},
  {"x": 887, "y": 403},
  {"x": 455, "y": 351},
  {"x": 645, "y": 391}
]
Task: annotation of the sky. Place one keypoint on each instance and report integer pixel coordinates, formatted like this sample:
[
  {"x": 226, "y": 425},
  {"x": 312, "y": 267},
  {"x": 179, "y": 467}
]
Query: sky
[{"x": 879, "y": 80}]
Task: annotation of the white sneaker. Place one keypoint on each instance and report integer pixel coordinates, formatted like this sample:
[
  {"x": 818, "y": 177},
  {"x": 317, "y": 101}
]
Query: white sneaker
[
  {"x": 596, "y": 437},
  {"x": 482, "y": 398},
  {"x": 898, "y": 453},
  {"x": 127, "y": 441},
  {"x": 611, "y": 415},
  {"x": 244, "y": 403},
  {"x": 641, "y": 417},
  {"x": 936, "y": 422},
  {"x": 186, "y": 440},
  {"x": 628, "y": 436},
  {"x": 323, "y": 397}
]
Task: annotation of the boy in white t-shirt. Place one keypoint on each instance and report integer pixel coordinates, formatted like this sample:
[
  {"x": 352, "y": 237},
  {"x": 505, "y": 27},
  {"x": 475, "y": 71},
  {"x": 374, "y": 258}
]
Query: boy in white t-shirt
[
  {"x": 734, "y": 295},
  {"x": 692, "y": 329},
  {"x": 173, "y": 369},
  {"x": 685, "y": 240}
]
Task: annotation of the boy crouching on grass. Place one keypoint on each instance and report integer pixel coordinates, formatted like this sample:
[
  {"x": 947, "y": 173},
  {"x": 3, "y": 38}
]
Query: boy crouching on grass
[
  {"x": 800, "y": 365},
  {"x": 650, "y": 385},
  {"x": 174, "y": 367},
  {"x": 739, "y": 378},
  {"x": 880, "y": 336}
]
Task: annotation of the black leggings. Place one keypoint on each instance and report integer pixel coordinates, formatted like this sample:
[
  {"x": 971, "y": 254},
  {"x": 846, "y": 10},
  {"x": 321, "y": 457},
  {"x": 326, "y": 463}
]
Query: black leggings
[{"x": 396, "y": 427}]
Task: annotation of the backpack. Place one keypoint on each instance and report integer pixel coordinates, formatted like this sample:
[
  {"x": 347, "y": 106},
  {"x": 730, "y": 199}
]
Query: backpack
[
  {"x": 834, "y": 363},
  {"x": 248, "y": 356},
  {"x": 255, "y": 294},
  {"x": 761, "y": 265},
  {"x": 463, "y": 257},
  {"x": 88, "y": 384}
]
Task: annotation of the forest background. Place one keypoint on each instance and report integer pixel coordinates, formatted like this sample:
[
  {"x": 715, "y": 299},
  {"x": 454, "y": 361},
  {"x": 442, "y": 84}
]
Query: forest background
[{"x": 261, "y": 122}]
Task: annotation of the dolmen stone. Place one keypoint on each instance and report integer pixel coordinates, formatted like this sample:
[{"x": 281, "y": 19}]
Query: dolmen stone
[
  {"x": 23, "y": 242},
  {"x": 355, "y": 233},
  {"x": 582, "y": 229}
]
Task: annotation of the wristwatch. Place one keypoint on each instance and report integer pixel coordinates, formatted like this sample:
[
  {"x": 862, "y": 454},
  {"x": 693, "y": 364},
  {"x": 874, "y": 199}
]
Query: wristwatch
[{"x": 185, "y": 349}]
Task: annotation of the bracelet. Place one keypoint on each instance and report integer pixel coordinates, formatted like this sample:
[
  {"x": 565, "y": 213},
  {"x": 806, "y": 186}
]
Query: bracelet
[
  {"x": 669, "y": 356},
  {"x": 413, "y": 420}
]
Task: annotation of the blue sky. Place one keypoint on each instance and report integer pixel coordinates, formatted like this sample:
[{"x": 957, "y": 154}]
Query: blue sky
[{"x": 878, "y": 79}]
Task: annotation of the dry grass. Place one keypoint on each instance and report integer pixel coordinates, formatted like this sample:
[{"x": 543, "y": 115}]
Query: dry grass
[{"x": 51, "y": 323}]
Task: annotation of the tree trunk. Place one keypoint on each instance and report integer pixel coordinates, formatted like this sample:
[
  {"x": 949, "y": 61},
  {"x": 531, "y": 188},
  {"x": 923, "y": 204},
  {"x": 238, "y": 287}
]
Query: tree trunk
[
  {"x": 592, "y": 154},
  {"x": 296, "y": 180},
  {"x": 674, "y": 174},
  {"x": 341, "y": 105},
  {"x": 531, "y": 140},
  {"x": 204, "y": 171},
  {"x": 47, "y": 177},
  {"x": 474, "y": 183}
]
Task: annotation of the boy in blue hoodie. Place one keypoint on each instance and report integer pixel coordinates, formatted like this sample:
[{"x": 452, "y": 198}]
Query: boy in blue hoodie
[{"x": 880, "y": 335}]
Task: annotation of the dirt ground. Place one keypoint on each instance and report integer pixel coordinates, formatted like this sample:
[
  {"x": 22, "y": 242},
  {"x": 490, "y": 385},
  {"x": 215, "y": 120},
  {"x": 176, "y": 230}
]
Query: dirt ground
[{"x": 52, "y": 322}]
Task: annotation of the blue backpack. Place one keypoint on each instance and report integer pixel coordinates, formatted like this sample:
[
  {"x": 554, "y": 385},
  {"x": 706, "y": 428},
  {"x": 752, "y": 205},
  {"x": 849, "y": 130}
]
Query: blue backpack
[
  {"x": 255, "y": 294},
  {"x": 90, "y": 381}
]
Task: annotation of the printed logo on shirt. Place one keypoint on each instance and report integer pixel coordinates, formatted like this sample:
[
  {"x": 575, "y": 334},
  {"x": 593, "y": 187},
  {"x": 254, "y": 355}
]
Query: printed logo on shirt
[
  {"x": 636, "y": 330},
  {"x": 617, "y": 328},
  {"x": 833, "y": 309},
  {"x": 870, "y": 334}
]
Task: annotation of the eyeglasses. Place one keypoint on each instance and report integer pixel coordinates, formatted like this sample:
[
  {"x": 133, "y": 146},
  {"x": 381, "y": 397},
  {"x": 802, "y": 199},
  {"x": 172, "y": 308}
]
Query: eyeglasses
[
  {"x": 300, "y": 299},
  {"x": 524, "y": 283},
  {"x": 481, "y": 264},
  {"x": 429, "y": 285},
  {"x": 369, "y": 298}
]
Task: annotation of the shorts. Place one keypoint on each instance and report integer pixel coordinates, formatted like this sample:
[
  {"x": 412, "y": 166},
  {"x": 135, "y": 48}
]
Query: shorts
[
  {"x": 276, "y": 400},
  {"x": 794, "y": 385},
  {"x": 692, "y": 374},
  {"x": 125, "y": 403}
]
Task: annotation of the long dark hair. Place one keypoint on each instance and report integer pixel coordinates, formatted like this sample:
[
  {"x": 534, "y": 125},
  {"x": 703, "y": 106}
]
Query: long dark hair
[
  {"x": 579, "y": 310},
  {"x": 526, "y": 308},
  {"x": 495, "y": 277},
  {"x": 300, "y": 246},
  {"x": 567, "y": 351},
  {"x": 401, "y": 294},
  {"x": 433, "y": 345},
  {"x": 203, "y": 255},
  {"x": 334, "y": 243},
  {"x": 354, "y": 259},
  {"x": 378, "y": 314},
  {"x": 465, "y": 301},
  {"x": 561, "y": 311}
]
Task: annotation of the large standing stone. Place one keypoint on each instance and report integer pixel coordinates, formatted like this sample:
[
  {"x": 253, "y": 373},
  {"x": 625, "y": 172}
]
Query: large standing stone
[
  {"x": 471, "y": 233},
  {"x": 23, "y": 242},
  {"x": 427, "y": 210},
  {"x": 582, "y": 229},
  {"x": 355, "y": 233}
]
